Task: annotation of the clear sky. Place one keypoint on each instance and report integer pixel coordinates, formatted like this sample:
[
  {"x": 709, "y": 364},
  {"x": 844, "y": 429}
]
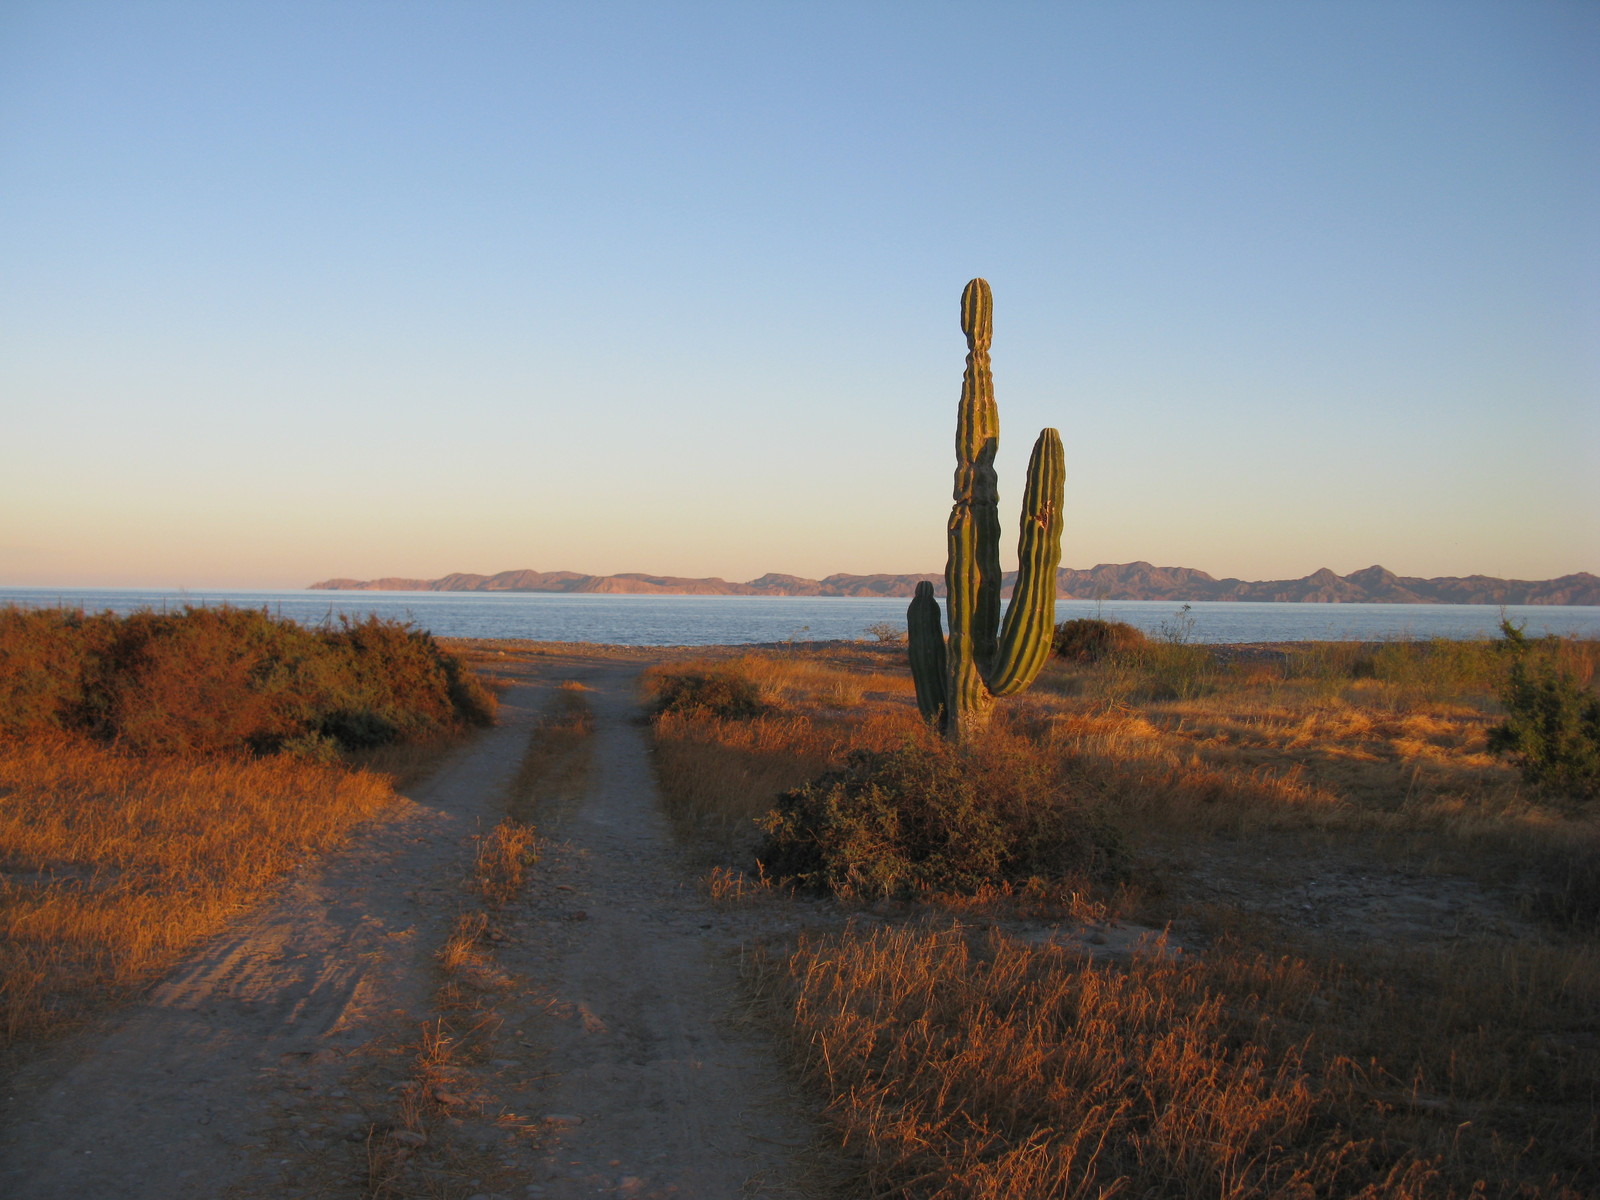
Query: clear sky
[{"x": 295, "y": 290}]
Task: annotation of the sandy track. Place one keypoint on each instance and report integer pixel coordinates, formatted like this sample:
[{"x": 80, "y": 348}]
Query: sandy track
[
  {"x": 248, "y": 1072},
  {"x": 633, "y": 999}
]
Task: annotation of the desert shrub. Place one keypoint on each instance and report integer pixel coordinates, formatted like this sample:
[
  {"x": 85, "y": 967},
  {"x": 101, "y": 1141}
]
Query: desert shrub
[
  {"x": 210, "y": 680},
  {"x": 927, "y": 816},
  {"x": 188, "y": 682},
  {"x": 1552, "y": 725},
  {"x": 44, "y": 657},
  {"x": 393, "y": 683},
  {"x": 1551, "y": 731},
  {"x": 1089, "y": 639},
  {"x": 723, "y": 694}
]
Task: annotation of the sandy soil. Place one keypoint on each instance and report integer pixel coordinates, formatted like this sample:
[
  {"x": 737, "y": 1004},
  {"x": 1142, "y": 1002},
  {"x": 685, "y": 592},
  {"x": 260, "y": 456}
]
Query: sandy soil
[{"x": 267, "y": 1064}]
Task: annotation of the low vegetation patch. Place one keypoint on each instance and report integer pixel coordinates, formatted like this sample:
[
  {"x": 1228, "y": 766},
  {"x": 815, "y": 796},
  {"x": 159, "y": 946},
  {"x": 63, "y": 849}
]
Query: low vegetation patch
[
  {"x": 220, "y": 680},
  {"x": 720, "y": 773},
  {"x": 964, "y": 1066},
  {"x": 1089, "y": 639},
  {"x": 1552, "y": 725},
  {"x": 157, "y": 771},
  {"x": 926, "y": 816},
  {"x": 721, "y": 693},
  {"x": 1273, "y": 1047}
]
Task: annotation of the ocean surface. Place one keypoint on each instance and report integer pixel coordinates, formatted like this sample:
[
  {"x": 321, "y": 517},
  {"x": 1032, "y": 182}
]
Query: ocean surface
[{"x": 742, "y": 620}]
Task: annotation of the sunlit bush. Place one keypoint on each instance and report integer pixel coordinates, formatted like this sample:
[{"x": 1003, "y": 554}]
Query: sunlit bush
[
  {"x": 927, "y": 816},
  {"x": 208, "y": 680}
]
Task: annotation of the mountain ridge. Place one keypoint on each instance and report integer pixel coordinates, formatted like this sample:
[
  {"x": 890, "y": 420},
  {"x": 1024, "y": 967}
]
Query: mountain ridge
[{"x": 1107, "y": 581}]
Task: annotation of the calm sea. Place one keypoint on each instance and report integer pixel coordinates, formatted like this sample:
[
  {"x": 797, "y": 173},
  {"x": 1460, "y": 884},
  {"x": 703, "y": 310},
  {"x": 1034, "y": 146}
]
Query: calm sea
[{"x": 738, "y": 620}]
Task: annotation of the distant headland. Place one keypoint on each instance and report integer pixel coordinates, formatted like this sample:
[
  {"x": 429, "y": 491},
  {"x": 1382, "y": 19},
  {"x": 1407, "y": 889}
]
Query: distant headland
[{"x": 1126, "y": 581}]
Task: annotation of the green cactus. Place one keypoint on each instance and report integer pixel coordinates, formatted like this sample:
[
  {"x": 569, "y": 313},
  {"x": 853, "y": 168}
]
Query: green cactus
[{"x": 957, "y": 684}]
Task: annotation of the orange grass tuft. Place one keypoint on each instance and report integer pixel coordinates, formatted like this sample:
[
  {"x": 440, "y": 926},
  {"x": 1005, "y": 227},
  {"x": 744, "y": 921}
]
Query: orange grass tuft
[{"x": 502, "y": 861}]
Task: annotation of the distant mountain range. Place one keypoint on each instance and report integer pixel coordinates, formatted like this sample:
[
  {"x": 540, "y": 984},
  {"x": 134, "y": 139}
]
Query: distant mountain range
[{"x": 1127, "y": 581}]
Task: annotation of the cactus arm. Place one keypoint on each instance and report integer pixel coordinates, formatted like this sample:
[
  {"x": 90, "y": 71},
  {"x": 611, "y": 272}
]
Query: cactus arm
[
  {"x": 926, "y": 643},
  {"x": 1030, "y": 620}
]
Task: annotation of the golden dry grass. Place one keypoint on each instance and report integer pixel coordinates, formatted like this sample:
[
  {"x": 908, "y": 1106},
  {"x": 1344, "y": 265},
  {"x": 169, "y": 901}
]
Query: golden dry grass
[
  {"x": 1301, "y": 744},
  {"x": 114, "y": 865},
  {"x": 1275, "y": 1061},
  {"x": 718, "y": 777},
  {"x": 962, "y": 1066},
  {"x": 502, "y": 861},
  {"x": 554, "y": 769}
]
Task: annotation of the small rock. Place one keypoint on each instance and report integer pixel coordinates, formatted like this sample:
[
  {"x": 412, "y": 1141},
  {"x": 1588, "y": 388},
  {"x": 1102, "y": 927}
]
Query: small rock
[{"x": 407, "y": 1137}]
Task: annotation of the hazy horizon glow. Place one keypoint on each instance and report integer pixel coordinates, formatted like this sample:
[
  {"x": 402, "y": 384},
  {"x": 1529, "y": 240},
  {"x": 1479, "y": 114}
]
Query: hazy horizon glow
[{"x": 398, "y": 289}]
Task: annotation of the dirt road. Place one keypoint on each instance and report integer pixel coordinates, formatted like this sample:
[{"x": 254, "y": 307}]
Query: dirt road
[{"x": 267, "y": 1065}]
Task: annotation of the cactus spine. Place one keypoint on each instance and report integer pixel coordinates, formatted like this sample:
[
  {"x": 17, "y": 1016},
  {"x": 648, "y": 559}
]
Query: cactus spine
[{"x": 957, "y": 683}]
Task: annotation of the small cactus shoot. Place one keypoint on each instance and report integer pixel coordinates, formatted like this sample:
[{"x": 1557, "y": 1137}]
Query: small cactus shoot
[{"x": 957, "y": 681}]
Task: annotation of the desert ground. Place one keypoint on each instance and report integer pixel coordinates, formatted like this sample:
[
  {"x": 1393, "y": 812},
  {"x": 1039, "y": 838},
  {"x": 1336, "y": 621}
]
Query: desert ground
[
  {"x": 620, "y": 1004},
  {"x": 618, "y": 1062}
]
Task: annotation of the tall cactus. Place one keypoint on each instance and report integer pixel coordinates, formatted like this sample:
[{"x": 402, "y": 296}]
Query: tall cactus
[{"x": 957, "y": 685}]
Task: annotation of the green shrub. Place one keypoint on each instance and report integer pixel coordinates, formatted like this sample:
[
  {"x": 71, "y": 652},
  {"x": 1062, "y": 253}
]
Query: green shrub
[
  {"x": 722, "y": 694},
  {"x": 1089, "y": 639},
  {"x": 210, "y": 680},
  {"x": 1552, "y": 725},
  {"x": 1440, "y": 667},
  {"x": 1175, "y": 671},
  {"x": 931, "y": 816}
]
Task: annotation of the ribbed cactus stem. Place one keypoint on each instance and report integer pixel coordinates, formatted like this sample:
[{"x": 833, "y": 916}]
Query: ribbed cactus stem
[
  {"x": 982, "y": 660},
  {"x": 975, "y": 550},
  {"x": 972, "y": 567}
]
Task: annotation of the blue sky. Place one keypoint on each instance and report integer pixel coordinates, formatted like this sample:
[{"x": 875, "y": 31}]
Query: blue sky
[{"x": 293, "y": 290}]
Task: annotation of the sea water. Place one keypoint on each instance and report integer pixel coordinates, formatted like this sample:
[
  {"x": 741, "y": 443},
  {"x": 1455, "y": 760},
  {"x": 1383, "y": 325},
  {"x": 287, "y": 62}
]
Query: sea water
[{"x": 743, "y": 620}]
